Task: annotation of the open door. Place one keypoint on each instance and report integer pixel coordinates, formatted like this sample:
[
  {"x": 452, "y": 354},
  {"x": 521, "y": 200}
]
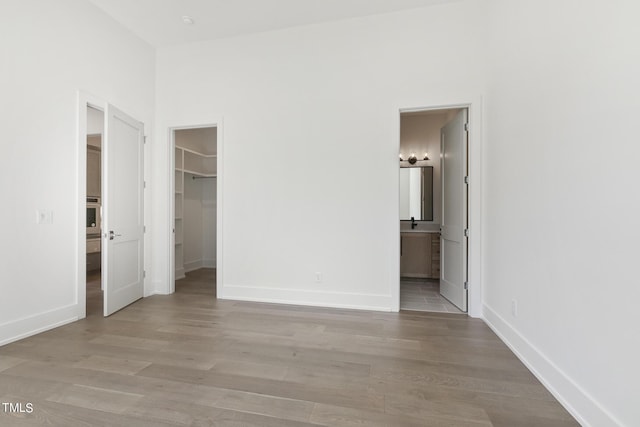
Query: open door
[
  {"x": 453, "y": 243},
  {"x": 123, "y": 219}
]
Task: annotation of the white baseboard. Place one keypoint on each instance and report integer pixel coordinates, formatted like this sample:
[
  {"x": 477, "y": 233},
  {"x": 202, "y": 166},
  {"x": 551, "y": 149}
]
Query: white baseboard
[
  {"x": 574, "y": 398},
  {"x": 310, "y": 298},
  {"x": 157, "y": 288},
  {"x": 192, "y": 265},
  {"x": 180, "y": 273},
  {"x": 25, "y": 327},
  {"x": 198, "y": 264}
]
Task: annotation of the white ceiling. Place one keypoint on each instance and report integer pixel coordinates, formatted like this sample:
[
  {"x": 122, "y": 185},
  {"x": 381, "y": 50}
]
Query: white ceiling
[{"x": 159, "y": 22}]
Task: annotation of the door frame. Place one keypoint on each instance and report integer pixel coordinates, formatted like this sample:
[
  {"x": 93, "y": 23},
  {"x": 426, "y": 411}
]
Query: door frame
[
  {"x": 217, "y": 123},
  {"x": 474, "y": 207},
  {"x": 84, "y": 101}
]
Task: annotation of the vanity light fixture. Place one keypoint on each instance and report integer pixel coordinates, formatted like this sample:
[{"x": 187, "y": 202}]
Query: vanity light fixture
[{"x": 412, "y": 159}]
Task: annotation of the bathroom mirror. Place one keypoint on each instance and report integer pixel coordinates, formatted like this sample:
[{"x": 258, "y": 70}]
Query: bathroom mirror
[{"x": 416, "y": 193}]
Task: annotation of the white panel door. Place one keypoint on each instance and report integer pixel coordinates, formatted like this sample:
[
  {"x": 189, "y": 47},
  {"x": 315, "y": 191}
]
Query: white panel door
[
  {"x": 453, "y": 251},
  {"x": 122, "y": 227}
]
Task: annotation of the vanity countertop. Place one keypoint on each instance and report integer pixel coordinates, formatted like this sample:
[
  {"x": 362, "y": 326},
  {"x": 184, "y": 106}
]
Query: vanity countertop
[{"x": 421, "y": 228}]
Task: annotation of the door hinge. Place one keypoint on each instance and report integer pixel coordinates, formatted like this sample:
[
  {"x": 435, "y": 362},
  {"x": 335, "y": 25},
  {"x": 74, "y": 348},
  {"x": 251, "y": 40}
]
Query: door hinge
[
  {"x": 466, "y": 179},
  {"x": 466, "y": 127},
  {"x": 466, "y": 232},
  {"x": 144, "y": 184},
  {"x": 144, "y": 228},
  {"x": 144, "y": 274},
  {"x": 145, "y": 139},
  {"x": 466, "y": 285}
]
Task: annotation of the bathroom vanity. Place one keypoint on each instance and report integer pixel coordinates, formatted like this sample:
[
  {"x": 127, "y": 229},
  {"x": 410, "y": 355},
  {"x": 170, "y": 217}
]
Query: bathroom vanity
[{"x": 420, "y": 254}]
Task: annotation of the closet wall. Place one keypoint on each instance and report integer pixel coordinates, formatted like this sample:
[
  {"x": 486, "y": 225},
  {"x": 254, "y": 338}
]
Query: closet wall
[
  {"x": 199, "y": 223},
  {"x": 195, "y": 205}
]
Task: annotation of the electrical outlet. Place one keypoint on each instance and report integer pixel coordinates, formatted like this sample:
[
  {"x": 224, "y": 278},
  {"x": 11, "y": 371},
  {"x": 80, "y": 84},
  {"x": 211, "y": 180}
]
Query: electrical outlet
[
  {"x": 514, "y": 308},
  {"x": 318, "y": 277},
  {"x": 44, "y": 217}
]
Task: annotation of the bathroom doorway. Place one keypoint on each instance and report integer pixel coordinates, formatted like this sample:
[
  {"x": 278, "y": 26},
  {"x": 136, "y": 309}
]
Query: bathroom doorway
[{"x": 433, "y": 210}]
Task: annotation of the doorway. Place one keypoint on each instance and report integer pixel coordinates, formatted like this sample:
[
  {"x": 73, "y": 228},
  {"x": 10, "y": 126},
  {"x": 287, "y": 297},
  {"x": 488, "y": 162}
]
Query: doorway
[
  {"x": 433, "y": 210},
  {"x": 195, "y": 208},
  {"x": 94, "y": 134},
  {"x": 110, "y": 220}
]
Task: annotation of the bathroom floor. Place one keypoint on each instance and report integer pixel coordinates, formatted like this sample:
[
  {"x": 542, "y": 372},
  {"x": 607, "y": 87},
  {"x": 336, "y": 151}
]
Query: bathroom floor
[{"x": 424, "y": 295}]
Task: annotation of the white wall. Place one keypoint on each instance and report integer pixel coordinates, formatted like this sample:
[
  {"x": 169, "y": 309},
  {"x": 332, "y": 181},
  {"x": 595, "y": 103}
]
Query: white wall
[
  {"x": 199, "y": 213},
  {"x": 311, "y": 175},
  {"x": 192, "y": 221},
  {"x": 52, "y": 50},
  {"x": 199, "y": 223},
  {"x": 209, "y": 205},
  {"x": 562, "y": 200},
  {"x": 311, "y": 143}
]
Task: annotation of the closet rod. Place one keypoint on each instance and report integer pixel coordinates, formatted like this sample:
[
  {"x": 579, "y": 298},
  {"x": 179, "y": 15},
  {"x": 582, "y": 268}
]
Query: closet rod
[{"x": 203, "y": 177}]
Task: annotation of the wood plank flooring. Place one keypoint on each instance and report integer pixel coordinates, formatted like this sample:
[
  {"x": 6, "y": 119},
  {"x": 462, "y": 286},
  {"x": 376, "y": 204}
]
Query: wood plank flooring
[{"x": 191, "y": 360}]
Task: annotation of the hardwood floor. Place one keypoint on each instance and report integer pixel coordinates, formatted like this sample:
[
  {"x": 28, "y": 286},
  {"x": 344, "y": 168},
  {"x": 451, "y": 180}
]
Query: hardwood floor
[
  {"x": 94, "y": 294},
  {"x": 189, "y": 359}
]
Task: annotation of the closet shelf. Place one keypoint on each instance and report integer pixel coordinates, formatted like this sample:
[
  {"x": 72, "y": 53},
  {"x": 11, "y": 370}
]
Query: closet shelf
[
  {"x": 204, "y": 175},
  {"x": 197, "y": 153},
  {"x": 190, "y": 164}
]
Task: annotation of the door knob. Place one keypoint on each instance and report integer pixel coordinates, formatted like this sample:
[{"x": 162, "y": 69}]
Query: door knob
[{"x": 113, "y": 235}]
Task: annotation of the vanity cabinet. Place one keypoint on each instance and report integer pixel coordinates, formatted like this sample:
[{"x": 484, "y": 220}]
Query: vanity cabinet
[{"x": 420, "y": 255}]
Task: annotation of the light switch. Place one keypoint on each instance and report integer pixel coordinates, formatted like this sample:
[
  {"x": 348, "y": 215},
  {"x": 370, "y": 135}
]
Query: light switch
[{"x": 44, "y": 217}]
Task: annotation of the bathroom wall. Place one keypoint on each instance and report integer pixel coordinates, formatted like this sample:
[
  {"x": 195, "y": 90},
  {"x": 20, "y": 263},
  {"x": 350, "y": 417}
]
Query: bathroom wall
[{"x": 420, "y": 133}]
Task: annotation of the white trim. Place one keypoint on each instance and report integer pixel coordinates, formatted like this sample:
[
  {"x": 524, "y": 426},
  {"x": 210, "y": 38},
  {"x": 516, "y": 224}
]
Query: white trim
[
  {"x": 153, "y": 289},
  {"x": 31, "y": 325},
  {"x": 306, "y": 297},
  {"x": 172, "y": 274},
  {"x": 151, "y": 293},
  {"x": 198, "y": 264},
  {"x": 192, "y": 265},
  {"x": 474, "y": 106},
  {"x": 576, "y": 400}
]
